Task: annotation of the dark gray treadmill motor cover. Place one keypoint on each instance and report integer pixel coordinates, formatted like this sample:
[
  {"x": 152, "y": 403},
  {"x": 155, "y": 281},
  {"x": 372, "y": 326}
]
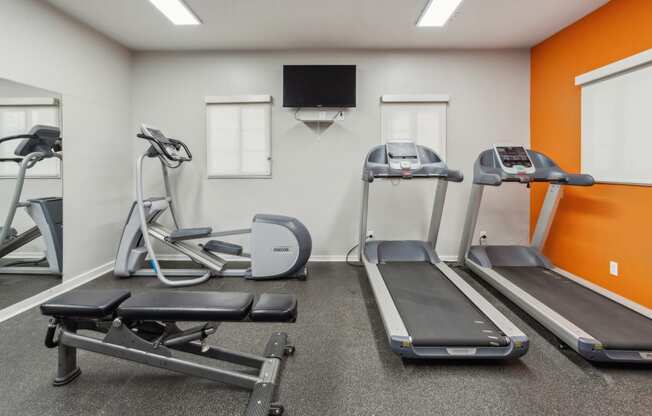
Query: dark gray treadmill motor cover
[
  {"x": 614, "y": 325},
  {"x": 496, "y": 256},
  {"x": 433, "y": 309},
  {"x": 385, "y": 251},
  {"x": 432, "y": 166},
  {"x": 487, "y": 171}
]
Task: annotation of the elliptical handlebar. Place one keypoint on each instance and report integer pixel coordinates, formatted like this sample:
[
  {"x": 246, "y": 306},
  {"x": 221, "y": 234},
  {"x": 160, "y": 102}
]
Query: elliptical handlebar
[
  {"x": 18, "y": 136},
  {"x": 40, "y": 143},
  {"x": 172, "y": 150},
  {"x": 171, "y": 153}
]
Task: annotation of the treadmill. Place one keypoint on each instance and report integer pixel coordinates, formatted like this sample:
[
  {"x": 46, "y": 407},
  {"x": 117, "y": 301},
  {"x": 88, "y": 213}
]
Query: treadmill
[
  {"x": 600, "y": 325},
  {"x": 427, "y": 309}
]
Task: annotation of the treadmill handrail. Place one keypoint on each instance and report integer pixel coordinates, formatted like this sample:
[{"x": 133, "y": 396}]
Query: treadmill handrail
[
  {"x": 431, "y": 166},
  {"x": 383, "y": 172},
  {"x": 487, "y": 171}
]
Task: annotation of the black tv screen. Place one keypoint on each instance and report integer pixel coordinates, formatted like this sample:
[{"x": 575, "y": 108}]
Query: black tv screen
[{"x": 319, "y": 86}]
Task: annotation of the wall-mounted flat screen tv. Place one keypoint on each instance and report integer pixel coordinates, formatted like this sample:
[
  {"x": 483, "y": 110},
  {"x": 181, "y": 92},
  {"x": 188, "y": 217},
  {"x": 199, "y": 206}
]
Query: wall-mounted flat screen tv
[{"x": 319, "y": 86}]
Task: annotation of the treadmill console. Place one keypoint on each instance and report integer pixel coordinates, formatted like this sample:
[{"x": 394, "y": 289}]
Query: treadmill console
[
  {"x": 514, "y": 160},
  {"x": 403, "y": 156}
]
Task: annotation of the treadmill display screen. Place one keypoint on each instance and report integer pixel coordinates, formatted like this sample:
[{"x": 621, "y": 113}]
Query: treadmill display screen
[
  {"x": 511, "y": 156},
  {"x": 399, "y": 150}
]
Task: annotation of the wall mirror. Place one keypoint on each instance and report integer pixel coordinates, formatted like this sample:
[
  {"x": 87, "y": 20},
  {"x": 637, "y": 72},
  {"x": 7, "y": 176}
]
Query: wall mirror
[{"x": 31, "y": 197}]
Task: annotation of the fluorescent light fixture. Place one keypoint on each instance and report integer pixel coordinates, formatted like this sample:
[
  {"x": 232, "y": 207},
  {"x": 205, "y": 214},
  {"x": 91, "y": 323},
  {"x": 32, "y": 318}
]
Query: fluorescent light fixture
[
  {"x": 177, "y": 11},
  {"x": 437, "y": 12}
]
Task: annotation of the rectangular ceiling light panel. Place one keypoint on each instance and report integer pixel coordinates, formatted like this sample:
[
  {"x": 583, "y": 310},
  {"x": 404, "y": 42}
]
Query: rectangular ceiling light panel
[
  {"x": 437, "y": 13},
  {"x": 177, "y": 11}
]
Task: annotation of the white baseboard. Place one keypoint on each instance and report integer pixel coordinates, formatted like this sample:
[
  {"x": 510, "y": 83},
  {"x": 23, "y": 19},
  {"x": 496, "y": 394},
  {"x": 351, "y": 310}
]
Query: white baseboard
[
  {"x": 69, "y": 284},
  {"x": 315, "y": 258}
]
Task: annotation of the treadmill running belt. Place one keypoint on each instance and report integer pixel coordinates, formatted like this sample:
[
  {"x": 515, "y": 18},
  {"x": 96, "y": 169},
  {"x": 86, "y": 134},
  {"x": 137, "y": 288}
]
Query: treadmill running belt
[
  {"x": 616, "y": 326},
  {"x": 433, "y": 309}
]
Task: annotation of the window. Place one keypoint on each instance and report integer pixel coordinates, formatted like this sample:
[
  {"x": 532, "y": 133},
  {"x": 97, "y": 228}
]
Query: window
[
  {"x": 616, "y": 124},
  {"x": 238, "y": 134},
  {"x": 419, "y": 118},
  {"x": 18, "y": 116}
]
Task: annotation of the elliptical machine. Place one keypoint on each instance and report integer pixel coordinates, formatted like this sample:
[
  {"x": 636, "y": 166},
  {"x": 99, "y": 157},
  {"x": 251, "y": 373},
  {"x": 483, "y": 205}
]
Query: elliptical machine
[
  {"x": 42, "y": 142},
  {"x": 280, "y": 246}
]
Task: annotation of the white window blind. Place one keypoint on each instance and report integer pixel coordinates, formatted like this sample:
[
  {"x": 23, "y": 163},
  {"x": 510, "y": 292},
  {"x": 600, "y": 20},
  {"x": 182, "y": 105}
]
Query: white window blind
[
  {"x": 616, "y": 122},
  {"x": 238, "y": 138},
  {"x": 19, "y": 119},
  {"x": 421, "y": 122}
]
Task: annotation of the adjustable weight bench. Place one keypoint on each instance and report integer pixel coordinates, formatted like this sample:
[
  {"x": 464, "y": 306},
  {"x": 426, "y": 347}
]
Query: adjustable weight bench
[{"x": 143, "y": 328}]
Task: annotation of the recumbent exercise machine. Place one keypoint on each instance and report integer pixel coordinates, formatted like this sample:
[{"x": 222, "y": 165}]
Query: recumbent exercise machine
[{"x": 280, "y": 245}]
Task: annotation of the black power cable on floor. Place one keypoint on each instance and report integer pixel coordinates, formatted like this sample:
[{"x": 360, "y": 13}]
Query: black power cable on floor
[{"x": 347, "y": 257}]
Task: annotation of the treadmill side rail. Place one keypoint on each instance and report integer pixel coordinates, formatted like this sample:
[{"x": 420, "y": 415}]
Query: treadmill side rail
[
  {"x": 560, "y": 326},
  {"x": 636, "y": 307},
  {"x": 518, "y": 338},
  {"x": 396, "y": 332}
]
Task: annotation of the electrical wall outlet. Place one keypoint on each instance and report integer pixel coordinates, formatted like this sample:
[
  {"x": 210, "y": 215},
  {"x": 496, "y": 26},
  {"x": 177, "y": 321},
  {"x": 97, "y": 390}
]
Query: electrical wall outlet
[{"x": 613, "y": 268}]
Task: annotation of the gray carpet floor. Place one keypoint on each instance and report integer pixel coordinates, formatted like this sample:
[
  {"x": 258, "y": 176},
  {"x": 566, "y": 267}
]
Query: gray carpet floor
[
  {"x": 343, "y": 366},
  {"x": 14, "y": 288}
]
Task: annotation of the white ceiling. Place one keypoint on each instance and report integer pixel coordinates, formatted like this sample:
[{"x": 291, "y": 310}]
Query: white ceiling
[{"x": 326, "y": 24}]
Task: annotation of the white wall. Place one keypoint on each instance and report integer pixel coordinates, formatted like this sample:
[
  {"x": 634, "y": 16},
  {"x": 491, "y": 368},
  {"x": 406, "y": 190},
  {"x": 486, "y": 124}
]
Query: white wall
[
  {"x": 317, "y": 177},
  {"x": 33, "y": 187},
  {"x": 44, "y": 48}
]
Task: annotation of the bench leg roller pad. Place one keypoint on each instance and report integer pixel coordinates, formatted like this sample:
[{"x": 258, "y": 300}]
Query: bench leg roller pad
[
  {"x": 261, "y": 399},
  {"x": 277, "y": 346}
]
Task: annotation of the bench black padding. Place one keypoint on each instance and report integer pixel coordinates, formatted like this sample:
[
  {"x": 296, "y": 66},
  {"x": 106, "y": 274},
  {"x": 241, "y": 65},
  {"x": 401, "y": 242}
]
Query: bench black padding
[
  {"x": 85, "y": 303},
  {"x": 173, "y": 306},
  {"x": 274, "y": 307},
  {"x": 187, "y": 306}
]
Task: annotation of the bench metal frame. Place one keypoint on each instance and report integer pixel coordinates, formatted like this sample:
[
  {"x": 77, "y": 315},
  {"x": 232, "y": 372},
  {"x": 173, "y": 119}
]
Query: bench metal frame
[{"x": 152, "y": 343}]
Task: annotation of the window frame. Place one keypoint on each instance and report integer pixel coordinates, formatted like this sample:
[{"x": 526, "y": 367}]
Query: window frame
[
  {"x": 416, "y": 99},
  {"x": 32, "y": 103}
]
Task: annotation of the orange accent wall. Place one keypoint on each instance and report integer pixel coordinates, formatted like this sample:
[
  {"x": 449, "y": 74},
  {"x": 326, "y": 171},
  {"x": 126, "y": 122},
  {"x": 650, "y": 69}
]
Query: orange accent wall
[{"x": 605, "y": 222}]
